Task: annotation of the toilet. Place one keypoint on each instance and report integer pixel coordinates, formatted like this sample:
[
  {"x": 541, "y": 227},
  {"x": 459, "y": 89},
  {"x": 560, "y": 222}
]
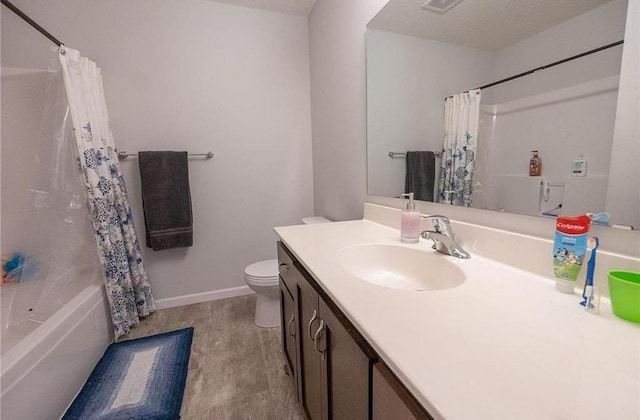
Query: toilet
[{"x": 262, "y": 278}]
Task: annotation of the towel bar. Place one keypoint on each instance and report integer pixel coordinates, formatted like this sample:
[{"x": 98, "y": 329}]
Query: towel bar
[
  {"x": 402, "y": 154},
  {"x": 123, "y": 155}
]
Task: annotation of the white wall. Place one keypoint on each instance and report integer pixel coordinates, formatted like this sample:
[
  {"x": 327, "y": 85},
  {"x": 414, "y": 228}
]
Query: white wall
[
  {"x": 623, "y": 192},
  {"x": 338, "y": 104},
  {"x": 198, "y": 75},
  {"x": 407, "y": 80}
]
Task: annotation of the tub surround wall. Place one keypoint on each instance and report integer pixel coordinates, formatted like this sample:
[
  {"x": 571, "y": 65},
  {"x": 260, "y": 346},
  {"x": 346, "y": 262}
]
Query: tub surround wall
[
  {"x": 560, "y": 124},
  {"x": 23, "y": 97},
  {"x": 198, "y": 75}
]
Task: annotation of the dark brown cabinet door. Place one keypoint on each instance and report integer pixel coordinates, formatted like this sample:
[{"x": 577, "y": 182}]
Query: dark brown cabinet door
[
  {"x": 345, "y": 370},
  {"x": 289, "y": 323},
  {"x": 391, "y": 400},
  {"x": 310, "y": 378},
  {"x": 285, "y": 267}
]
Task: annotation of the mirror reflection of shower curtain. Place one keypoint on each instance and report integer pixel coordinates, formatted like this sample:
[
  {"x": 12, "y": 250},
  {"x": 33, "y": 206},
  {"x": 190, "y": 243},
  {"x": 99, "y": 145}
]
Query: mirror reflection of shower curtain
[{"x": 460, "y": 136}]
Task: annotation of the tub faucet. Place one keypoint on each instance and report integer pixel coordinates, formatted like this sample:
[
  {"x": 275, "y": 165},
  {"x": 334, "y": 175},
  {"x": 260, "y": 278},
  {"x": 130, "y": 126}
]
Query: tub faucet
[{"x": 443, "y": 237}]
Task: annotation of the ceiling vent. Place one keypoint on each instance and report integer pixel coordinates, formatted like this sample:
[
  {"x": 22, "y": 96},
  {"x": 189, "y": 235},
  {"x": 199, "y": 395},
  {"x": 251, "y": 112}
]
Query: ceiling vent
[{"x": 440, "y": 6}]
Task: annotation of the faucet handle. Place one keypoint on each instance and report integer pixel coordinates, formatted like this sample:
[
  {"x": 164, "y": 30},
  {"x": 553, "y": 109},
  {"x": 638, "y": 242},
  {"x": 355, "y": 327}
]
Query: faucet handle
[
  {"x": 443, "y": 238},
  {"x": 440, "y": 223},
  {"x": 435, "y": 217}
]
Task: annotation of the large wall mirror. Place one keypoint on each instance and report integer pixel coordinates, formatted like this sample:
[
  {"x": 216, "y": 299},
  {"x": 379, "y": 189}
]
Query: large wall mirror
[{"x": 421, "y": 52}]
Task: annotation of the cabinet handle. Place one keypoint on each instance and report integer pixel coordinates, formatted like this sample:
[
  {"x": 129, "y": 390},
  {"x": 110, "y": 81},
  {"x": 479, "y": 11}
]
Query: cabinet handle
[
  {"x": 284, "y": 268},
  {"x": 317, "y": 336},
  {"x": 292, "y": 334},
  {"x": 313, "y": 318}
]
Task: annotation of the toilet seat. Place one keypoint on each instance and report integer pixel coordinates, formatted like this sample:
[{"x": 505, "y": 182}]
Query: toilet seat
[{"x": 263, "y": 273}]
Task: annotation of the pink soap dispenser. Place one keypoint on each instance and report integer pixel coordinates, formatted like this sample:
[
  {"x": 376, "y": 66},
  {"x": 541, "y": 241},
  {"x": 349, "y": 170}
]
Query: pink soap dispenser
[{"x": 410, "y": 222}]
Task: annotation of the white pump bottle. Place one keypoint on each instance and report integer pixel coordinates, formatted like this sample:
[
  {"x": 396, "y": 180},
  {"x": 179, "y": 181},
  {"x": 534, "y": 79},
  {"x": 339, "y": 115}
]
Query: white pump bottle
[{"x": 410, "y": 222}]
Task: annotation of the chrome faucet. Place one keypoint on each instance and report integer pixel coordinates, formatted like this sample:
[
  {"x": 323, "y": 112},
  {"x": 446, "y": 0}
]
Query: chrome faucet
[{"x": 443, "y": 238}]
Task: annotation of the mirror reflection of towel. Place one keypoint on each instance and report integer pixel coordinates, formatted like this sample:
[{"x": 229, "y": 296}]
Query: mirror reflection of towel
[
  {"x": 421, "y": 169},
  {"x": 166, "y": 199}
]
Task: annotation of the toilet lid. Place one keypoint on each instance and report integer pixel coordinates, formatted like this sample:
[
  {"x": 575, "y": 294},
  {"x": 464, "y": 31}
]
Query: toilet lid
[{"x": 263, "y": 269}]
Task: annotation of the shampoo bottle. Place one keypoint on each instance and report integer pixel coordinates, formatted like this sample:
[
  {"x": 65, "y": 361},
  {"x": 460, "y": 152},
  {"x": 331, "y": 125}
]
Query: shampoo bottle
[
  {"x": 569, "y": 249},
  {"x": 535, "y": 164},
  {"x": 410, "y": 222}
]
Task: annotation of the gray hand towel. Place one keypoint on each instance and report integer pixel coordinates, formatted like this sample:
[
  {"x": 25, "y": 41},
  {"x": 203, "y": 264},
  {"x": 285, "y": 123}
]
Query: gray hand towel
[
  {"x": 421, "y": 170},
  {"x": 166, "y": 199}
]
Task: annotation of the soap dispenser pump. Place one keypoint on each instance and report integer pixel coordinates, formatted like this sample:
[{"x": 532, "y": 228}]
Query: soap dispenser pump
[{"x": 410, "y": 222}]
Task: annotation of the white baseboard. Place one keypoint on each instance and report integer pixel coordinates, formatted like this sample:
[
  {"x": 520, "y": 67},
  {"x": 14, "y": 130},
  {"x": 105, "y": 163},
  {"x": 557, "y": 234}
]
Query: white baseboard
[{"x": 202, "y": 297}]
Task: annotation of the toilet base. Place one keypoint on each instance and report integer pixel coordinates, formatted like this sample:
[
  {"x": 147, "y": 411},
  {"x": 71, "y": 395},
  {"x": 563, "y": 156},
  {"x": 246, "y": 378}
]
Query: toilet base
[{"x": 267, "y": 311}]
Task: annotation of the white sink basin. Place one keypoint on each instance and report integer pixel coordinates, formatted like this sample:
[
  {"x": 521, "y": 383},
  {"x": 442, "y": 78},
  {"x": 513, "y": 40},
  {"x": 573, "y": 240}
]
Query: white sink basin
[{"x": 400, "y": 267}]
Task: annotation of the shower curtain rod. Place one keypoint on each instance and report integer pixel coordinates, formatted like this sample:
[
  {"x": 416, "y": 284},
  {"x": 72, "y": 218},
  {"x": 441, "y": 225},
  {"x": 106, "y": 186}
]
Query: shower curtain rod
[
  {"x": 546, "y": 66},
  {"x": 31, "y": 22}
]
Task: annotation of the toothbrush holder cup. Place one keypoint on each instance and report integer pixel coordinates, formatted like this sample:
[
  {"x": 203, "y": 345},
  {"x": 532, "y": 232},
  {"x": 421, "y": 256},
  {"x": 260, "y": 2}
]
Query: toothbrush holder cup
[{"x": 624, "y": 291}]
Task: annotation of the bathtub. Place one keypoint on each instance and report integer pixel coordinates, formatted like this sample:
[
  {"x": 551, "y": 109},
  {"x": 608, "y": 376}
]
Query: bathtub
[{"x": 42, "y": 372}]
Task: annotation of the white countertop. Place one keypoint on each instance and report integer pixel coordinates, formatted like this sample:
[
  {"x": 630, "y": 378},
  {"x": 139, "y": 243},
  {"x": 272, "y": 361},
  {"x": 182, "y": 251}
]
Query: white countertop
[{"x": 503, "y": 345}]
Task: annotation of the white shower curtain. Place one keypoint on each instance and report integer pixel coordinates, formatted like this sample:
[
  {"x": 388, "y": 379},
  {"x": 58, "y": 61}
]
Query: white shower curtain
[
  {"x": 460, "y": 128},
  {"x": 125, "y": 277}
]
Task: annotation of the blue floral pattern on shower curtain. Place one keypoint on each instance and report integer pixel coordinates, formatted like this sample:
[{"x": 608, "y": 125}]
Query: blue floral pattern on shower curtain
[
  {"x": 460, "y": 136},
  {"x": 125, "y": 276}
]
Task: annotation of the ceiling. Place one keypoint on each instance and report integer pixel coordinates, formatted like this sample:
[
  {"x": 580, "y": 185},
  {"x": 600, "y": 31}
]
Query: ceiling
[
  {"x": 291, "y": 7},
  {"x": 486, "y": 24}
]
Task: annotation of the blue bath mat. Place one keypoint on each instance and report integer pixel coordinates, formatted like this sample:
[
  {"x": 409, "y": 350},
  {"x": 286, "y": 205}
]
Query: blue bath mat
[{"x": 137, "y": 379}]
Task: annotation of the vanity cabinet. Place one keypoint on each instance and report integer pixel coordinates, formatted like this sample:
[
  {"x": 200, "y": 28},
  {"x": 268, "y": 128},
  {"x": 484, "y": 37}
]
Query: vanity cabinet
[{"x": 332, "y": 363}]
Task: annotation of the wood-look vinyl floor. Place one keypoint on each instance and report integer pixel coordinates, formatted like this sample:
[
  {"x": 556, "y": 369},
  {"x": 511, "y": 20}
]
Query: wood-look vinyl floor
[{"x": 236, "y": 370}]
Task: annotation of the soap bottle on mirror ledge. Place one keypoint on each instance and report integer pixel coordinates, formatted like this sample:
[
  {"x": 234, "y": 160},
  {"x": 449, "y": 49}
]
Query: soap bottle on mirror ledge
[{"x": 535, "y": 164}]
